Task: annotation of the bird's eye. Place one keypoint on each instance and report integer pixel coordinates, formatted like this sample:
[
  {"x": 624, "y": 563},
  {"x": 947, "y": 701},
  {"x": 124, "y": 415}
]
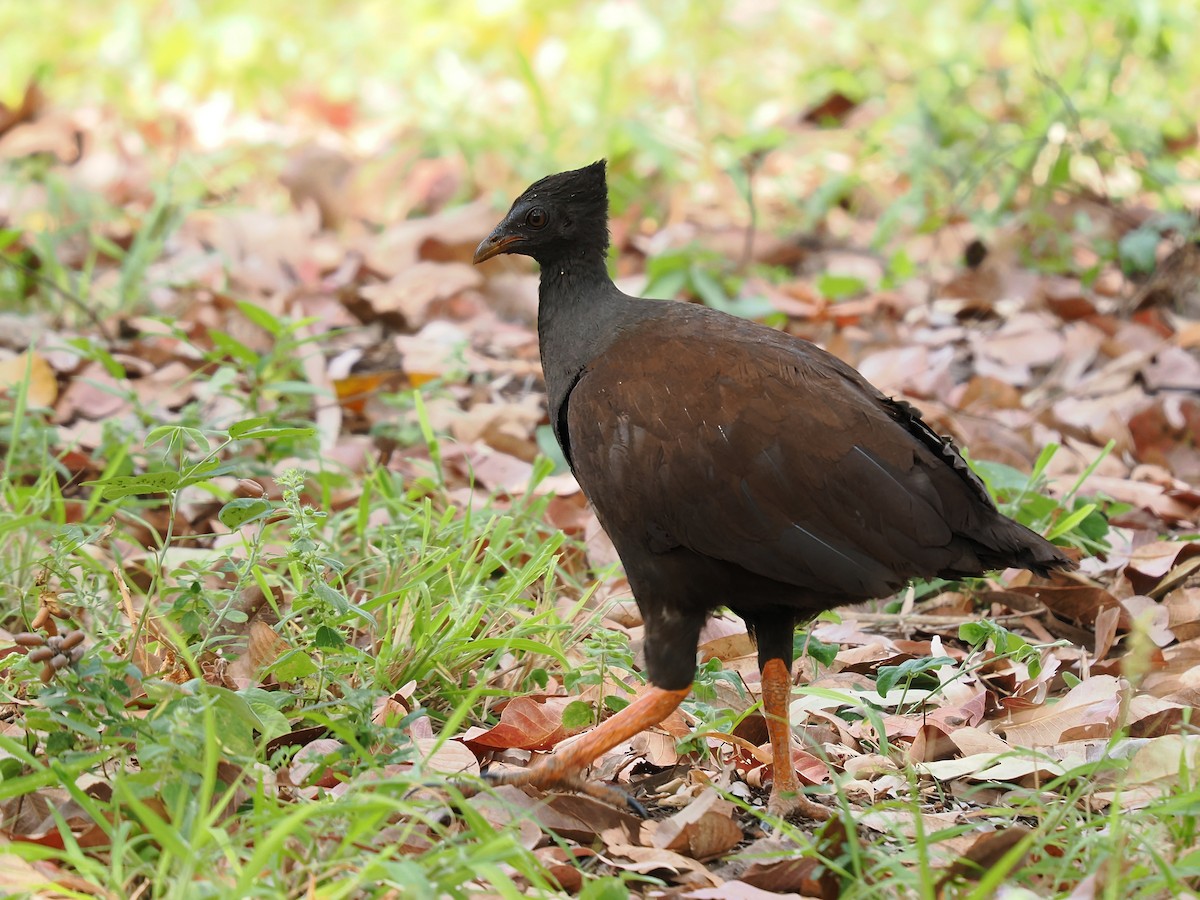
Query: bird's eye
[{"x": 536, "y": 218}]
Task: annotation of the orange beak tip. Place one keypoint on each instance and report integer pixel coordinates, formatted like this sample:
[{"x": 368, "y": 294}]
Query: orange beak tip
[{"x": 494, "y": 245}]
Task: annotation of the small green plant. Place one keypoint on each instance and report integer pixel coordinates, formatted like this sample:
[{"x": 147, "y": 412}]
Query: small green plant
[
  {"x": 702, "y": 275},
  {"x": 607, "y": 660},
  {"x": 1006, "y": 644},
  {"x": 912, "y": 673},
  {"x": 804, "y": 643},
  {"x": 1072, "y": 519}
]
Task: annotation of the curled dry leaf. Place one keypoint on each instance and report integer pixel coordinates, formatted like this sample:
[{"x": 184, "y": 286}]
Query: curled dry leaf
[
  {"x": 310, "y": 763},
  {"x": 19, "y": 877},
  {"x": 1079, "y": 604},
  {"x": 702, "y": 830},
  {"x": 1151, "y": 617},
  {"x": 724, "y": 638},
  {"x": 777, "y": 867},
  {"x": 585, "y": 819},
  {"x": 672, "y": 867},
  {"x": 446, "y": 757},
  {"x": 1094, "y": 704},
  {"x": 563, "y": 865},
  {"x": 985, "y": 854},
  {"x": 508, "y": 805},
  {"x": 931, "y": 742},
  {"x": 411, "y": 292},
  {"x": 1183, "y": 612},
  {"x": 93, "y": 394},
  {"x": 525, "y": 724}
]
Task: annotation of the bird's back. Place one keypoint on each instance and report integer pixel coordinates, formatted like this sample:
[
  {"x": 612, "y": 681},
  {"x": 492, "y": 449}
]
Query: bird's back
[{"x": 702, "y": 434}]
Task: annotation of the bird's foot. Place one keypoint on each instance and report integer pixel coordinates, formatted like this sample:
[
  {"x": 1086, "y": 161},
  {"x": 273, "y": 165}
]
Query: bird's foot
[
  {"x": 552, "y": 775},
  {"x": 795, "y": 805}
]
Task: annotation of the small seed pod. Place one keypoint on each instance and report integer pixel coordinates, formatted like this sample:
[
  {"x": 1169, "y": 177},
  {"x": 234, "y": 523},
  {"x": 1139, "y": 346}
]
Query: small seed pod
[
  {"x": 76, "y": 654},
  {"x": 42, "y": 617},
  {"x": 41, "y": 654},
  {"x": 248, "y": 487},
  {"x": 47, "y": 673},
  {"x": 71, "y": 639},
  {"x": 54, "y": 642},
  {"x": 28, "y": 639},
  {"x": 60, "y": 661}
]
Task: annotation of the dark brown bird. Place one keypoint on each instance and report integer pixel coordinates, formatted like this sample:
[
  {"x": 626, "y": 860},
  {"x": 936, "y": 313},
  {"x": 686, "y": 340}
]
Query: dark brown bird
[{"x": 733, "y": 465}]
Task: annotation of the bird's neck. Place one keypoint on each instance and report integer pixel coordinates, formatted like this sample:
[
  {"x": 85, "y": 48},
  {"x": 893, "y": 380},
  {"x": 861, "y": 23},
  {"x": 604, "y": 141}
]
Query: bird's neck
[
  {"x": 579, "y": 313},
  {"x": 564, "y": 278}
]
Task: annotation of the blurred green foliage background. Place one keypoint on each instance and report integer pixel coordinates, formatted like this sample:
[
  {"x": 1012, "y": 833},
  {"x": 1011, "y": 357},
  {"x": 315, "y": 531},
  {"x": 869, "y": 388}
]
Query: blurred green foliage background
[
  {"x": 671, "y": 79},
  {"x": 987, "y": 110}
]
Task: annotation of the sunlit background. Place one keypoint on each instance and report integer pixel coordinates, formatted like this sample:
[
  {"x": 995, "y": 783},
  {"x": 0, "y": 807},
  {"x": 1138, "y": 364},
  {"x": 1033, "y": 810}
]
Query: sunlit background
[
  {"x": 955, "y": 106},
  {"x": 279, "y": 456}
]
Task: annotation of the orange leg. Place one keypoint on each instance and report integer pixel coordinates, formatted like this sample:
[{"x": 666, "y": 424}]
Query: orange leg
[
  {"x": 786, "y": 798},
  {"x": 564, "y": 770}
]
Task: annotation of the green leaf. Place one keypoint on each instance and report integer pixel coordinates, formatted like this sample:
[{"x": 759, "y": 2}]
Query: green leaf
[
  {"x": 209, "y": 468},
  {"x": 825, "y": 654},
  {"x": 236, "y": 513},
  {"x": 548, "y": 445},
  {"x": 708, "y": 289},
  {"x": 280, "y": 431},
  {"x": 1138, "y": 250},
  {"x": 1001, "y": 479},
  {"x": 890, "y": 676},
  {"x": 604, "y": 889},
  {"x": 901, "y": 267},
  {"x": 235, "y": 721},
  {"x": 149, "y": 483},
  {"x": 92, "y": 350},
  {"x": 522, "y": 645},
  {"x": 613, "y": 703},
  {"x": 335, "y": 600},
  {"x": 234, "y": 349},
  {"x": 271, "y": 722},
  {"x": 245, "y": 426},
  {"x": 154, "y": 435},
  {"x": 1069, "y": 523},
  {"x": 294, "y": 665},
  {"x": 973, "y": 633},
  {"x": 840, "y": 287},
  {"x": 8, "y": 237},
  {"x": 328, "y": 638},
  {"x": 262, "y": 318},
  {"x": 1060, "y": 172},
  {"x": 666, "y": 287},
  {"x": 10, "y": 768},
  {"x": 578, "y": 714}
]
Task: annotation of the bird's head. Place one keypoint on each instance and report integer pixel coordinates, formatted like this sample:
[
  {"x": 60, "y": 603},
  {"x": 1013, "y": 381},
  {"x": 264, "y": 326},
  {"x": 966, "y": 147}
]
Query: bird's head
[{"x": 561, "y": 215}]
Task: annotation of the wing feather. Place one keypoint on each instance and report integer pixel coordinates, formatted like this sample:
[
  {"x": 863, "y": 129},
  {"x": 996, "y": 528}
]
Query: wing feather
[{"x": 784, "y": 462}]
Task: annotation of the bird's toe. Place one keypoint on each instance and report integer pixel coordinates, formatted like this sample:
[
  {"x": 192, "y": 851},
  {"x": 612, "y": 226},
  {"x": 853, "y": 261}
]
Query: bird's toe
[{"x": 797, "y": 806}]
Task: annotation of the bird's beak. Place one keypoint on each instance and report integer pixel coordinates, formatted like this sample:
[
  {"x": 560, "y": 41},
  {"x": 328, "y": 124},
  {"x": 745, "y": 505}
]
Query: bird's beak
[{"x": 499, "y": 241}]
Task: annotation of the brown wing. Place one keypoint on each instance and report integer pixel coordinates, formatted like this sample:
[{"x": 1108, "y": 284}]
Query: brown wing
[{"x": 751, "y": 447}]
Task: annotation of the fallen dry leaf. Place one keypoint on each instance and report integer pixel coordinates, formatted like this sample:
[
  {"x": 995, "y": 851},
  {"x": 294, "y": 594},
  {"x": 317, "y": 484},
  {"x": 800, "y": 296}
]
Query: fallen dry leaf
[
  {"x": 1093, "y": 705},
  {"x": 673, "y": 867},
  {"x": 702, "y": 830},
  {"x": 30, "y": 371},
  {"x": 525, "y": 724},
  {"x": 986, "y": 853}
]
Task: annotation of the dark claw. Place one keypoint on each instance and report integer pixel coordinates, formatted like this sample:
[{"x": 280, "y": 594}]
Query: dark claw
[{"x": 638, "y": 810}]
